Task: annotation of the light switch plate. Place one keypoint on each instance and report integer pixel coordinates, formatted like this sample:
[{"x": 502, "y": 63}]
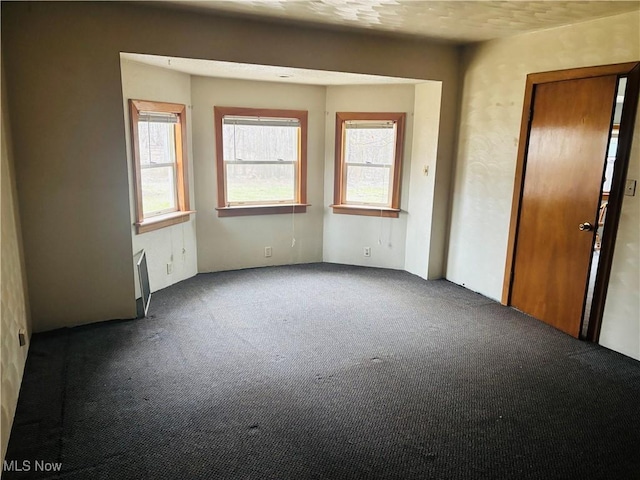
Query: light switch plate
[{"x": 630, "y": 188}]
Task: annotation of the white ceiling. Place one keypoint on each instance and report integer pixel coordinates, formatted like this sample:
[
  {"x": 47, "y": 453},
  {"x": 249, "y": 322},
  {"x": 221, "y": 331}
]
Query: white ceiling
[
  {"x": 267, "y": 73},
  {"x": 453, "y": 21}
]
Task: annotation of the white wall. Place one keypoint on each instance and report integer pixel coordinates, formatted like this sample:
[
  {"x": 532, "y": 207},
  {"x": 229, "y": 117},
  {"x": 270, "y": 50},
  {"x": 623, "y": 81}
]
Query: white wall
[
  {"x": 14, "y": 312},
  {"x": 345, "y": 236},
  {"x": 175, "y": 244},
  {"x": 491, "y": 107},
  {"x": 621, "y": 323},
  {"x": 420, "y": 259},
  {"x": 238, "y": 242}
]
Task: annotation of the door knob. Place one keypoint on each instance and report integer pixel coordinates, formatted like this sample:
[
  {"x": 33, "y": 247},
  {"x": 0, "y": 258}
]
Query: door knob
[{"x": 585, "y": 227}]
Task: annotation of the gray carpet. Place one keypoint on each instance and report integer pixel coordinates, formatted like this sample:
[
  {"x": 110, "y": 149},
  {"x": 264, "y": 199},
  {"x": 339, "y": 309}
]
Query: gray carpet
[{"x": 326, "y": 372}]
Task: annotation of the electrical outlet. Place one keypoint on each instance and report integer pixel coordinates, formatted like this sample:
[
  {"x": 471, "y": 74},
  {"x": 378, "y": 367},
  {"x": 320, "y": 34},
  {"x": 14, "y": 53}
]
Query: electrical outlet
[
  {"x": 22, "y": 337},
  {"x": 169, "y": 268},
  {"x": 267, "y": 251},
  {"x": 367, "y": 251}
]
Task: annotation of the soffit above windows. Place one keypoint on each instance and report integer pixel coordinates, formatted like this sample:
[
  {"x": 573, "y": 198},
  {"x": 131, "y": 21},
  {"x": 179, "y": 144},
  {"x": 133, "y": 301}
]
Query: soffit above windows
[{"x": 264, "y": 73}]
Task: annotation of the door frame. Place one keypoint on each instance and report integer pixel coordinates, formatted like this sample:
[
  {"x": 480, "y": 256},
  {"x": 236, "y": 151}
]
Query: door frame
[{"x": 632, "y": 71}]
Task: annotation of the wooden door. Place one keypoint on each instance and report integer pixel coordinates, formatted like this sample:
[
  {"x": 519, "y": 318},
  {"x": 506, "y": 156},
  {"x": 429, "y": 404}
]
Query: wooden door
[{"x": 565, "y": 159}]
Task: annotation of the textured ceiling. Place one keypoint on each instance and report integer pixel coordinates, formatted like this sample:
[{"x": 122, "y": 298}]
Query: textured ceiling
[
  {"x": 266, "y": 73},
  {"x": 456, "y": 21}
]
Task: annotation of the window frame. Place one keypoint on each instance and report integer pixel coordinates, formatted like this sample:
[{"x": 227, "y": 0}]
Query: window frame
[
  {"x": 300, "y": 202},
  {"x": 182, "y": 212},
  {"x": 339, "y": 187}
]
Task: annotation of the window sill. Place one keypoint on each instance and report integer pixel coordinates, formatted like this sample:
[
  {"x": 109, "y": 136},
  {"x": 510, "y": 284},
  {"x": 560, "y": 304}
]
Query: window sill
[
  {"x": 161, "y": 221},
  {"x": 366, "y": 210},
  {"x": 242, "y": 210}
]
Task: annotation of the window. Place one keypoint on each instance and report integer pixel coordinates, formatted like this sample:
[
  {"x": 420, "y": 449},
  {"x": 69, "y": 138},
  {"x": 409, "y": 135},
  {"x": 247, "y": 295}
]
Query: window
[
  {"x": 158, "y": 131},
  {"x": 261, "y": 159},
  {"x": 367, "y": 163}
]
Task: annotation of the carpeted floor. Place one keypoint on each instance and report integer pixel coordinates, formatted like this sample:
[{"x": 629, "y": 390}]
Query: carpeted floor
[{"x": 325, "y": 372}]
